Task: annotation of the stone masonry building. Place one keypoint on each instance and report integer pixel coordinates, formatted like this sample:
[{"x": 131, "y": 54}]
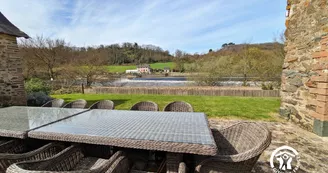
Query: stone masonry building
[
  {"x": 304, "y": 89},
  {"x": 12, "y": 90}
]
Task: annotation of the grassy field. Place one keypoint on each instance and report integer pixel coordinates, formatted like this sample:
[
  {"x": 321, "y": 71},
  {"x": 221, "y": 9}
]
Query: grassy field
[
  {"x": 162, "y": 65},
  {"x": 122, "y": 68},
  {"x": 221, "y": 107}
]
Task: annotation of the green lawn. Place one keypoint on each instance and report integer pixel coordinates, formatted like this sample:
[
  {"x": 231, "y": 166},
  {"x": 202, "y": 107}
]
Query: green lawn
[
  {"x": 162, "y": 65},
  {"x": 221, "y": 107},
  {"x": 122, "y": 68}
]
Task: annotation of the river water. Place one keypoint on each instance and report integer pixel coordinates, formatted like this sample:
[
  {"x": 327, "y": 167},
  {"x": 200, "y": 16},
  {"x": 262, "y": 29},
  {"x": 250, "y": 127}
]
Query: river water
[{"x": 162, "y": 82}]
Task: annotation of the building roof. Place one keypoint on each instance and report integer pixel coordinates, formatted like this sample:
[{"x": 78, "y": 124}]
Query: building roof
[
  {"x": 143, "y": 66},
  {"x": 6, "y": 27}
]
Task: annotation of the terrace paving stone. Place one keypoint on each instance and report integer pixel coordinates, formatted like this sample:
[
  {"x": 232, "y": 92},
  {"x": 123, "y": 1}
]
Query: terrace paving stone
[{"x": 313, "y": 149}]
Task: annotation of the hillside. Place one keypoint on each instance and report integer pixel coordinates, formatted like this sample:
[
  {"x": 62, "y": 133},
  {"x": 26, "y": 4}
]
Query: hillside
[
  {"x": 261, "y": 61},
  {"x": 272, "y": 47},
  {"x": 44, "y": 56}
]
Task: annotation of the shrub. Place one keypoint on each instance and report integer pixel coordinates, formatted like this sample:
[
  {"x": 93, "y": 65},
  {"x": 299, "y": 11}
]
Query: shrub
[
  {"x": 138, "y": 75},
  {"x": 66, "y": 91},
  {"x": 37, "y": 98},
  {"x": 268, "y": 86},
  {"x": 3, "y": 105},
  {"x": 37, "y": 85}
]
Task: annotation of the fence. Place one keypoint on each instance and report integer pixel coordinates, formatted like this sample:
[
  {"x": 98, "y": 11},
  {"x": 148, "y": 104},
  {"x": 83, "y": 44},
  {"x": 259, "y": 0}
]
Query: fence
[{"x": 212, "y": 91}]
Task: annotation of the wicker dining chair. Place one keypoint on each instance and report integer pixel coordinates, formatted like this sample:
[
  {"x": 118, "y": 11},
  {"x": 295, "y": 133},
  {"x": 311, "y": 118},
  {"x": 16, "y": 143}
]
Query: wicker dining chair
[
  {"x": 145, "y": 106},
  {"x": 56, "y": 103},
  {"x": 73, "y": 159},
  {"x": 15, "y": 151},
  {"x": 104, "y": 104},
  {"x": 178, "y": 106},
  {"x": 78, "y": 104},
  {"x": 3, "y": 140},
  {"x": 180, "y": 168},
  {"x": 174, "y": 163},
  {"x": 120, "y": 165},
  {"x": 239, "y": 147}
]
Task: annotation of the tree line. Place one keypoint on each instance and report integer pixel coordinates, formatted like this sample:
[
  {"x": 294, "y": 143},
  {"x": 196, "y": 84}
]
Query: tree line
[
  {"x": 56, "y": 59},
  {"x": 250, "y": 62},
  {"x": 47, "y": 58}
]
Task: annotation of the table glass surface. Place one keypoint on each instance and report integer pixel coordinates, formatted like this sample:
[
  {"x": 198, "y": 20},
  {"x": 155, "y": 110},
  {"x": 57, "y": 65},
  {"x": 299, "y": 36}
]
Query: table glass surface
[
  {"x": 179, "y": 127},
  {"x": 22, "y": 119}
]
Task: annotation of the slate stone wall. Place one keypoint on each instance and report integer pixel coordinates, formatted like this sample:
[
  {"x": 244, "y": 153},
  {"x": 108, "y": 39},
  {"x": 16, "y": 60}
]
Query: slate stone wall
[
  {"x": 12, "y": 90},
  {"x": 304, "y": 81}
]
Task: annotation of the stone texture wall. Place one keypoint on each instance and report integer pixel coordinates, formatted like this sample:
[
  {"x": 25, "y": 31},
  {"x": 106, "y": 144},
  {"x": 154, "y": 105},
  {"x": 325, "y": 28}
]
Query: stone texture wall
[
  {"x": 12, "y": 90},
  {"x": 304, "y": 78}
]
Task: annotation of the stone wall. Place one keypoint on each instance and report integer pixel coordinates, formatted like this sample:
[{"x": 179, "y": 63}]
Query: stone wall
[
  {"x": 11, "y": 79},
  {"x": 305, "y": 69}
]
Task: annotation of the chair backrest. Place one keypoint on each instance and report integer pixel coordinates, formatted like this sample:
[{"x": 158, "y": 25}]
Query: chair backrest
[
  {"x": 239, "y": 147},
  {"x": 78, "y": 104},
  {"x": 104, "y": 104},
  {"x": 57, "y": 103},
  {"x": 145, "y": 106},
  {"x": 179, "y": 106},
  {"x": 242, "y": 137}
]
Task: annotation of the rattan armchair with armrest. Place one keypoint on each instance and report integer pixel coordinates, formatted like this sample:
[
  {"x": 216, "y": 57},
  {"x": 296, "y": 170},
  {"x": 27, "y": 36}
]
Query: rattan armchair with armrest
[{"x": 239, "y": 147}]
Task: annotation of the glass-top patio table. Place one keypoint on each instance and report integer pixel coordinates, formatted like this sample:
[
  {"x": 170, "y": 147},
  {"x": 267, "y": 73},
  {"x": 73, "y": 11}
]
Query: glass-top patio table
[
  {"x": 16, "y": 121},
  {"x": 162, "y": 131}
]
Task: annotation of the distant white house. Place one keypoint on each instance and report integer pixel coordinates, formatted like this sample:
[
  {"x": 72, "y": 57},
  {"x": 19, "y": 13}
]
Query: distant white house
[
  {"x": 167, "y": 70},
  {"x": 131, "y": 71},
  {"x": 145, "y": 68}
]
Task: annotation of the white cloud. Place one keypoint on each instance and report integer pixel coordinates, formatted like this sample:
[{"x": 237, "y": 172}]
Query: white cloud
[
  {"x": 33, "y": 17},
  {"x": 190, "y": 25}
]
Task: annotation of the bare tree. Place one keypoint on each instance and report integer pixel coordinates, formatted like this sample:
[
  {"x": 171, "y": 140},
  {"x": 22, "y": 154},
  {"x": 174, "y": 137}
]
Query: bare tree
[
  {"x": 245, "y": 57},
  {"x": 91, "y": 67},
  {"x": 178, "y": 53},
  {"x": 212, "y": 70},
  {"x": 279, "y": 41},
  {"x": 67, "y": 77},
  {"x": 47, "y": 51},
  {"x": 30, "y": 64}
]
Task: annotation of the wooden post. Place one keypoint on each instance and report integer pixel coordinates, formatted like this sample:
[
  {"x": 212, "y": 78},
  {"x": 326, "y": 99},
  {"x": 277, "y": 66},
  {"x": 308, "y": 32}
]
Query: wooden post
[{"x": 82, "y": 88}]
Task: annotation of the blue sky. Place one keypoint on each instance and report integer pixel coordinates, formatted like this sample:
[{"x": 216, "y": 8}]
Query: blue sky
[{"x": 189, "y": 25}]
